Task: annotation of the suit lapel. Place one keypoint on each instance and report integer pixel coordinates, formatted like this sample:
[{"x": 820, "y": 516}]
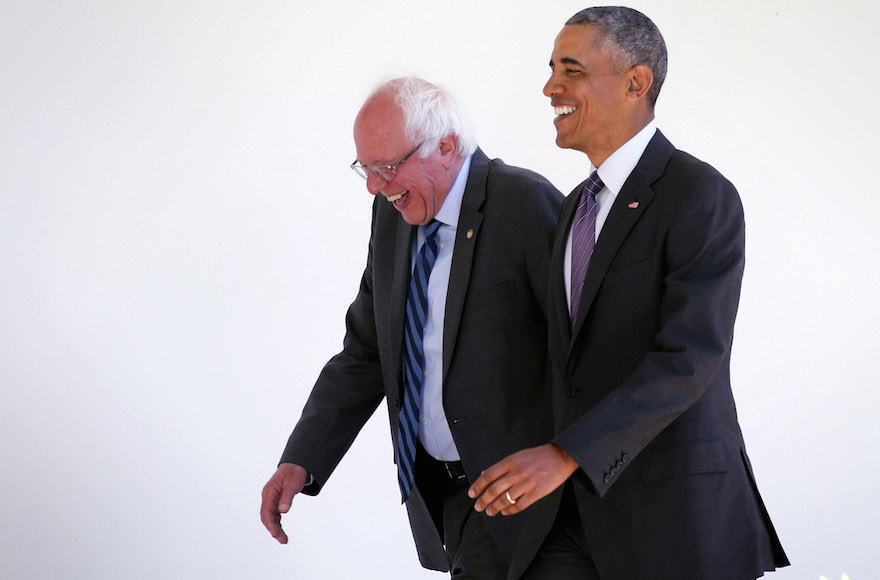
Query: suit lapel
[
  {"x": 621, "y": 219},
  {"x": 557, "y": 284},
  {"x": 397, "y": 300},
  {"x": 466, "y": 237}
]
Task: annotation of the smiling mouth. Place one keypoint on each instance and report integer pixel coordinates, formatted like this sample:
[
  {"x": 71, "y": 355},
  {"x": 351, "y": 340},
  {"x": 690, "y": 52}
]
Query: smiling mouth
[
  {"x": 397, "y": 197},
  {"x": 561, "y": 110}
]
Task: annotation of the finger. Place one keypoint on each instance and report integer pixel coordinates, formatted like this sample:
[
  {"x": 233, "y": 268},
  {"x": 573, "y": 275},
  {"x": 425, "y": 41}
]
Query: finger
[
  {"x": 290, "y": 479},
  {"x": 501, "y": 503},
  {"x": 272, "y": 523},
  {"x": 282, "y": 535},
  {"x": 269, "y": 514},
  {"x": 269, "y": 504},
  {"x": 486, "y": 478},
  {"x": 495, "y": 493},
  {"x": 521, "y": 504},
  {"x": 490, "y": 477},
  {"x": 288, "y": 490},
  {"x": 526, "y": 494}
]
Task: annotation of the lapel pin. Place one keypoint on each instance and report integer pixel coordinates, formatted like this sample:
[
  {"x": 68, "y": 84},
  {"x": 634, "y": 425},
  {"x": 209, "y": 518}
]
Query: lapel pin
[
  {"x": 470, "y": 234},
  {"x": 633, "y": 205}
]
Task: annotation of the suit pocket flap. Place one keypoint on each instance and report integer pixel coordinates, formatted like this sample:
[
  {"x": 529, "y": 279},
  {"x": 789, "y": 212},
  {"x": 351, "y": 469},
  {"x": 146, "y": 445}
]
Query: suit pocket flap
[
  {"x": 485, "y": 297},
  {"x": 685, "y": 458}
]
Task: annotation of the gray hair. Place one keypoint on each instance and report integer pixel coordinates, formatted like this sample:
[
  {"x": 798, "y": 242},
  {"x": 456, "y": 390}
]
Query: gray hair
[
  {"x": 430, "y": 114},
  {"x": 628, "y": 38}
]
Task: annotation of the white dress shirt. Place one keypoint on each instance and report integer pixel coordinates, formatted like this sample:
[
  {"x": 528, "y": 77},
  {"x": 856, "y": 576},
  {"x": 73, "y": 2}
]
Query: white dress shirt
[
  {"x": 613, "y": 172},
  {"x": 434, "y": 429}
]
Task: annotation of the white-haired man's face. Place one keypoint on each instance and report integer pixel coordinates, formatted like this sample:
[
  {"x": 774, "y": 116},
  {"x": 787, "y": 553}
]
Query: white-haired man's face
[{"x": 420, "y": 184}]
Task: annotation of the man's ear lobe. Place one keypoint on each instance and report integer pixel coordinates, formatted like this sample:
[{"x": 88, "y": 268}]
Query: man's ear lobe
[
  {"x": 448, "y": 148},
  {"x": 640, "y": 80}
]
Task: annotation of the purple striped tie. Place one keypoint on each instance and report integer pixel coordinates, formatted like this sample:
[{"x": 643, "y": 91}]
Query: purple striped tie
[{"x": 583, "y": 239}]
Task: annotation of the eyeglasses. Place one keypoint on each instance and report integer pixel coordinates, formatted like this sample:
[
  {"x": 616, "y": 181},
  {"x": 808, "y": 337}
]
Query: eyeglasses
[{"x": 386, "y": 173}]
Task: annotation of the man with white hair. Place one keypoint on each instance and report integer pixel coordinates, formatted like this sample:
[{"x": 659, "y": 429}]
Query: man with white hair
[{"x": 449, "y": 326}]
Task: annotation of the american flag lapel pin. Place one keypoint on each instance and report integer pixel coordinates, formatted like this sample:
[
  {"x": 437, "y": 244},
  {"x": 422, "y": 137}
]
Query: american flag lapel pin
[{"x": 633, "y": 205}]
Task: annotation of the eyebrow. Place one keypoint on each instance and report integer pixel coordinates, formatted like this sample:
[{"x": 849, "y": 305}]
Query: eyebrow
[
  {"x": 374, "y": 164},
  {"x": 567, "y": 60}
]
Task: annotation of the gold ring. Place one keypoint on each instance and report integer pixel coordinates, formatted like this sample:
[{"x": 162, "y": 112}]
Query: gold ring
[{"x": 510, "y": 499}]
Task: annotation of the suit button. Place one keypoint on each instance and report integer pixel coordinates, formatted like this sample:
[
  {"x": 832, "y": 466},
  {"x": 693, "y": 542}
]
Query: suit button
[
  {"x": 613, "y": 471},
  {"x": 571, "y": 390},
  {"x": 624, "y": 457},
  {"x": 607, "y": 479}
]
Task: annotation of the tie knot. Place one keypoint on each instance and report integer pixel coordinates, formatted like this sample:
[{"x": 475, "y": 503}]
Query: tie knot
[
  {"x": 431, "y": 229},
  {"x": 594, "y": 185}
]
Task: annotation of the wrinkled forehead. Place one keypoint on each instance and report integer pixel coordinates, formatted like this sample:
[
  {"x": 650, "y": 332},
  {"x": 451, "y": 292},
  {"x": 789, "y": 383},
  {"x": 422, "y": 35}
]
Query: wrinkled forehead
[
  {"x": 580, "y": 44},
  {"x": 379, "y": 135}
]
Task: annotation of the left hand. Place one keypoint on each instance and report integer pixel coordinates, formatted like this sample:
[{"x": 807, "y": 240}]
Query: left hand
[{"x": 527, "y": 475}]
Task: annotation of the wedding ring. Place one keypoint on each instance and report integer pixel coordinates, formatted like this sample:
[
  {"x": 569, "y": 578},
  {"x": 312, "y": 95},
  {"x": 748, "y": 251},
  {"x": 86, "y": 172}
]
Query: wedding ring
[{"x": 510, "y": 499}]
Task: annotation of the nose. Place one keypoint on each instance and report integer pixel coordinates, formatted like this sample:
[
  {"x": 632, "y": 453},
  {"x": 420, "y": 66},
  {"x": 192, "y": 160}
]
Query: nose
[
  {"x": 552, "y": 86},
  {"x": 374, "y": 183}
]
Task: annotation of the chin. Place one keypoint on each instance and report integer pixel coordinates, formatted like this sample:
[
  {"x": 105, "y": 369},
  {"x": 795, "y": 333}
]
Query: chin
[{"x": 563, "y": 143}]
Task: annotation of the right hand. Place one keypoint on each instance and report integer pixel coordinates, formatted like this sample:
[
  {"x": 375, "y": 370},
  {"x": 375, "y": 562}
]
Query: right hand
[{"x": 278, "y": 494}]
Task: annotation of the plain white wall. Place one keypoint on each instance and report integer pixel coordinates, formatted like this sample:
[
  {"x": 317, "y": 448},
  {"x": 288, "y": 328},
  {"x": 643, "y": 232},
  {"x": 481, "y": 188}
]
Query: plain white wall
[{"x": 180, "y": 236}]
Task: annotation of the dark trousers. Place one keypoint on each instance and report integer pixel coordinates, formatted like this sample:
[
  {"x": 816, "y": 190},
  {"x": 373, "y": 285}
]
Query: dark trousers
[
  {"x": 471, "y": 551},
  {"x": 565, "y": 553}
]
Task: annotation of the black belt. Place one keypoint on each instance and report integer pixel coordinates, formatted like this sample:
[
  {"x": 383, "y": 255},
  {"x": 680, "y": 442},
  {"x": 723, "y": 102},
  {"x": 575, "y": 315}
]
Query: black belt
[{"x": 453, "y": 470}]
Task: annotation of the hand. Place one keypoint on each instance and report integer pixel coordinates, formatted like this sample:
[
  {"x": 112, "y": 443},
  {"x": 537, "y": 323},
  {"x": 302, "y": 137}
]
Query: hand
[
  {"x": 278, "y": 494},
  {"x": 527, "y": 476}
]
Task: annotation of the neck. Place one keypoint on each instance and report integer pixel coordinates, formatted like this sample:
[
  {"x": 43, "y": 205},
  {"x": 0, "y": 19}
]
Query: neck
[{"x": 599, "y": 154}]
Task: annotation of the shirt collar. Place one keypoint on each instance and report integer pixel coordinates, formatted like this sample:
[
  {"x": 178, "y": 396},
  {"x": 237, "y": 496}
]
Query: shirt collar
[
  {"x": 616, "y": 169},
  {"x": 451, "y": 209}
]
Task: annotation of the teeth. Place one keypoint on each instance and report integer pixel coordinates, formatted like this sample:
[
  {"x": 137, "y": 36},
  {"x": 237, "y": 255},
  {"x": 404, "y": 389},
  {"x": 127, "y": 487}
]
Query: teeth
[
  {"x": 393, "y": 198},
  {"x": 564, "y": 110}
]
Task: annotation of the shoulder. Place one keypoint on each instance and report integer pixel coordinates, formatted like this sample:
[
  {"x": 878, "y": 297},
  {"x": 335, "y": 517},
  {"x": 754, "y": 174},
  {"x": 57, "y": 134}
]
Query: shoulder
[
  {"x": 683, "y": 165},
  {"x": 693, "y": 180},
  {"x": 520, "y": 185},
  {"x": 663, "y": 167}
]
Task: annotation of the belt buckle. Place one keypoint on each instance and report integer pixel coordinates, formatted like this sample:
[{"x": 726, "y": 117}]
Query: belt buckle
[{"x": 449, "y": 471}]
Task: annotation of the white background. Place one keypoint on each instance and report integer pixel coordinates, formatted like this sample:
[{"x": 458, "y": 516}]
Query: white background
[{"x": 180, "y": 236}]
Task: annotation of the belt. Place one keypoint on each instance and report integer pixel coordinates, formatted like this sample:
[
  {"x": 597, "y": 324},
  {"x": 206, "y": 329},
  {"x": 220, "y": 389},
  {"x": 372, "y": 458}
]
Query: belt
[{"x": 453, "y": 470}]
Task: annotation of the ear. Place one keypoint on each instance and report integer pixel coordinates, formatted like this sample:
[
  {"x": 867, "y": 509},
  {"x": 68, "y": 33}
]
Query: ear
[
  {"x": 448, "y": 148},
  {"x": 640, "y": 80}
]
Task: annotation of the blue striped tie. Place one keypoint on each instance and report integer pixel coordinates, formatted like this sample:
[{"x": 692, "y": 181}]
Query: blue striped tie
[{"x": 414, "y": 360}]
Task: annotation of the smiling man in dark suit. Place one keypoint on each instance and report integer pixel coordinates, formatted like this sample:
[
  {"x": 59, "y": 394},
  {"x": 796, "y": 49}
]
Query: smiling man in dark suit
[
  {"x": 449, "y": 327},
  {"x": 648, "y": 466}
]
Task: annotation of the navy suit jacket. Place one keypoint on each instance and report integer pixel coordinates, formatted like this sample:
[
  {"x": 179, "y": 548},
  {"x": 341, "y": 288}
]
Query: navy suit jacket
[
  {"x": 494, "y": 342},
  {"x": 641, "y": 383}
]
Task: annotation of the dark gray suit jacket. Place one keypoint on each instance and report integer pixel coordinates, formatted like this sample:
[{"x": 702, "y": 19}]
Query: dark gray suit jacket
[
  {"x": 494, "y": 341},
  {"x": 641, "y": 384}
]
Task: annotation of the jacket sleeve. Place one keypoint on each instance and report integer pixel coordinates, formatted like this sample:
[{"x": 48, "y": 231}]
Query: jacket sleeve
[{"x": 347, "y": 392}]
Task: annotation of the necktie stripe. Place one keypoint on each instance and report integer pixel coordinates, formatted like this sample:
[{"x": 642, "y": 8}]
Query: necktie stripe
[
  {"x": 582, "y": 261},
  {"x": 583, "y": 239},
  {"x": 413, "y": 346},
  {"x": 406, "y": 450},
  {"x": 410, "y": 402},
  {"x": 413, "y": 336},
  {"x": 413, "y": 360}
]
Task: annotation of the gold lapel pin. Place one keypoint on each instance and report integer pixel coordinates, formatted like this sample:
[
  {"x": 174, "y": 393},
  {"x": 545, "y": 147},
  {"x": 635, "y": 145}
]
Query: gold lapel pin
[{"x": 470, "y": 234}]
